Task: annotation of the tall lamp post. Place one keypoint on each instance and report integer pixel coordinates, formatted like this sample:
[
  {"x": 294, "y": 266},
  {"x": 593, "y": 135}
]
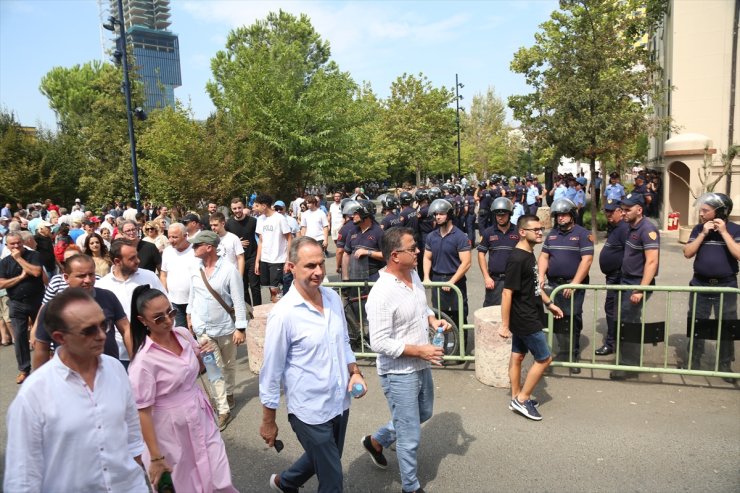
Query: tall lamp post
[
  {"x": 122, "y": 52},
  {"x": 458, "y": 86}
]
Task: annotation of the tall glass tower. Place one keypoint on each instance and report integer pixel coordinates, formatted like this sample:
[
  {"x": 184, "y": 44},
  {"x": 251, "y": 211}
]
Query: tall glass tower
[{"x": 155, "y": 48}]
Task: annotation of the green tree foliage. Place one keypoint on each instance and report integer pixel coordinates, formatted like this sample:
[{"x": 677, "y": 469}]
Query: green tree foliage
[
  {"x": 592, "y": 79},
  {"x": 485, "y": 136},
  {"x": 294, "y": 109},
  {"x": 416, "y": 130}
]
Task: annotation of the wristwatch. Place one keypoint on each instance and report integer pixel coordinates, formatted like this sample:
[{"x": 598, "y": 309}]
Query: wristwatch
[{"x": 547, "y": 305}]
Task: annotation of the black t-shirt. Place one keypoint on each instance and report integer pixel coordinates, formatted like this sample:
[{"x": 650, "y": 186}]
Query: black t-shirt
[
  {"x": 527, "y": 314},
  {"x": 149, "y": 256},
  {"x": 45, "y": 248},
  {"x": 30, "y": 289},
  {"x": 244, "y": 230}
]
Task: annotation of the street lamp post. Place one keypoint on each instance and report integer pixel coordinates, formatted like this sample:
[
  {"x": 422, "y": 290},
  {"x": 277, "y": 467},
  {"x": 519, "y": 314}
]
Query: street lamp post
[
  {"x": 458, "y": 86},
  {"x": 127, "y": 93}
]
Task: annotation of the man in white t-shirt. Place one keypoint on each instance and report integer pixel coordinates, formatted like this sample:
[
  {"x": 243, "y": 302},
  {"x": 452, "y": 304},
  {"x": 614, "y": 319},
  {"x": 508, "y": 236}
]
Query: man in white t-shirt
[
  {"x": 314, "y": 223},
  {"x": 229, "y": 245},
  {"x": 272, "y": 251},
  {"x": 296, "y": 206},
  {"x": 336, "y": 220},
  {"x": 177, "y": 260}
]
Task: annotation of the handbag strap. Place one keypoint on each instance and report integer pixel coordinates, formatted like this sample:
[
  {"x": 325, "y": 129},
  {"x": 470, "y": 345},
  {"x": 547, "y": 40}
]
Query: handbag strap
[{"x": 229, "y": 309}]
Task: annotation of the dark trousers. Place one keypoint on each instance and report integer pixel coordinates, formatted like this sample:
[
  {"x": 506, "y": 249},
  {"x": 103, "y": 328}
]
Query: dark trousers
[
  {"x": 470, "y": 228},
  {"x": 564, "y": 304},
  {"x": 323, "y": 444},
  {"x": 610, "y": 310},
  {"x": 20, "y": 312},
  {"x": 706, "y": 303},
  {"x": 493, "y": 296},
  {"x": 629, "y": 352},
  {"x": 181, "y": 317},
  {"x": 532, "y": 209},
  {"x": 251, "y": 282}
]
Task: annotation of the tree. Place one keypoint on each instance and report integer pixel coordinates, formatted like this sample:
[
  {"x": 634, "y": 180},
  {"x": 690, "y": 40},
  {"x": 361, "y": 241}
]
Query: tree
[
  {"x": 593, "y": 79},
  {"x": 485, "y": 139},
  {"x": 416, "y": 129},
  {"x": 293, "y": 107}
]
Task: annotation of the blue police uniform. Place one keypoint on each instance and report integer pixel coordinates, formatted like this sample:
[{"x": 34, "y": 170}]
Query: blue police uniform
[
  {"x": 344, "y": 233},
  {"x": 498, "y": 244},
  {"x": 470, "y": 218},
  {"x": 566, "y": 250},
  {"x": 532, "y": 199},
  {"x": 570, "y": 193},
  {"x": 642, "y": 236},
  {"x": 714, "y": 266},
  {"x": 559, "y": 193},
  {"x": 520, "y": 190},
  {"x": 445, "y": 262},
  {"x": 369, "y": 240},
  {"x": 484, "y": 210},
  {"x": 458, "y": 203},
  {"x": 610, "y": 262},
  {"x": 614, "y": 191},
  {"x": 409, "y": 219},
  {"x": 390, "y": 221}
]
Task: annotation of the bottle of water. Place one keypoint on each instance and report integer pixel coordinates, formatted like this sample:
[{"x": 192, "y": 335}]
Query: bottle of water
[
  {"x": 439, "y": 338},
  {"x": 357, "y": 390},
  {"x": 212, "y": 368},
  {"x": 165, "y": 484}
]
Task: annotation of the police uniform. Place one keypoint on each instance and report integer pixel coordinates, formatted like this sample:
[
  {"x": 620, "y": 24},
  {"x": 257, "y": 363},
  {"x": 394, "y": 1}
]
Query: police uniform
[
  {"x": 445, "y": 262},
  {"x": 484, "y": 212},
  {"x": 614, "y": 191},
  {"x": 367, "y": 240},
  {"x": 610, "y": 262},
  {"x": 470, "y": 218},
  {"x": 714, "y": 266},
  {"x": 409, "y": 219},
  {"x": 498, "y": 244},
  {"x": 344, "y": 233},
  {"x": 390, "y": 221},
  {"x": 566, "y": 250}
]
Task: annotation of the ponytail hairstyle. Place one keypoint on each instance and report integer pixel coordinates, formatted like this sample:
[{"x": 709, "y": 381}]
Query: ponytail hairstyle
[{"x": 141, "y": 296}]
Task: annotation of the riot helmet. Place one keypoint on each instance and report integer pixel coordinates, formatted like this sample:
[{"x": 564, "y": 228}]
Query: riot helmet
[
  {"x": 721, "y": 203},
  {"x": 406, "y": 198},
  {"x": 441, "y": 206},
  {"x": 502, "y": 204}
]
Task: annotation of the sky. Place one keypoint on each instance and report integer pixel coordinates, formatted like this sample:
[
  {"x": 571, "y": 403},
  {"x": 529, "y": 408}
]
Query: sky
[{"x": 375, "y": 41}]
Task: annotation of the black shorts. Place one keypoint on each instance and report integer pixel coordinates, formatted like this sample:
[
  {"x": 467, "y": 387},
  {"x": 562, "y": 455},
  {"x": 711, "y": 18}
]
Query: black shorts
[{"x": 271, "y": 275}]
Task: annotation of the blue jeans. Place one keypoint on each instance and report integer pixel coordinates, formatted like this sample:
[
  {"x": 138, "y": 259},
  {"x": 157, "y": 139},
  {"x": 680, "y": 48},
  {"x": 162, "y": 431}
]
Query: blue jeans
[
  {"x": 411, "y": 400},
  {"x": 323, "y": 446}
]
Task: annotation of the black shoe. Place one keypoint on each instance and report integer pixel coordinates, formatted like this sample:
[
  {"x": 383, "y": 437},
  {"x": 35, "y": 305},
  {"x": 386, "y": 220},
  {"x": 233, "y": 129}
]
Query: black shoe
[
  {"x": 622, "y": 375},
  {"x": 420, "y": 490},
  {"x": 378, "y": 457},
  {"x": 604, "y": 351},
  {"x": 575, "y": 371}
]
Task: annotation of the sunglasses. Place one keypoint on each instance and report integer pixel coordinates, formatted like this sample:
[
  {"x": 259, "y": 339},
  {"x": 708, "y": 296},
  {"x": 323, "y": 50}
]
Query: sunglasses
[
  {"x": 93, "y": 330},
  {"x": 169, "y": 315}
]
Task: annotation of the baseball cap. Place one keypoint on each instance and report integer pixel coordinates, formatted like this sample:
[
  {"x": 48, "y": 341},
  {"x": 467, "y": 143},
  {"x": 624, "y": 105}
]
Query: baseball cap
[
  {"x": 612, "y": 205},
  {"x": 43, "y": 224},
  {"x": 279, "y": 203},
  {"x": 634, "y": 199},
  {"x": 190, "y": 217},
  {"x": 78, "y": 200},
  {"x": 207, "y": 237}
]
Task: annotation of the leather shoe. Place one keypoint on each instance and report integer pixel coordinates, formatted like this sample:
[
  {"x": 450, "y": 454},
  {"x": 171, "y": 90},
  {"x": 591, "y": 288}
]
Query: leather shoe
[
  {"x": 21, "y": 378},
  {"x": 575, "y": 371},
  {"x": 622, "y": 375},
  {"x": 604, "y": 351}
]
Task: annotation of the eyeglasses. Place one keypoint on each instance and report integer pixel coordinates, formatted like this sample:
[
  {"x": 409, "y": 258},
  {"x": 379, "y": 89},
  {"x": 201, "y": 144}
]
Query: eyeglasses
[
  {"x": 130, "y": 232},
  {"x": 536, "y": 230},
  {"x": 169, "y": 315},
  {"x": 150, "y": 229},
  {"x": 93, "y": 330},
  {"x": 411, "y": 250}
]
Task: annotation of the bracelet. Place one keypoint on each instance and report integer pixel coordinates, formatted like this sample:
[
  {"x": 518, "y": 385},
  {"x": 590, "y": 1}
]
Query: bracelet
[
  {"x": 155, "y": 459},
  {"x": 548, "y": 304}
]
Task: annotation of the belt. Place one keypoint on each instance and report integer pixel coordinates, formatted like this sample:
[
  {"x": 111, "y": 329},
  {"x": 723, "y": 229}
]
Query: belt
[
  {"x": 502, "y": 275},
  {"x": 559, "y": 280},
  {"x": 714, "y": 280},
  {"x": 442, "y": 274}
]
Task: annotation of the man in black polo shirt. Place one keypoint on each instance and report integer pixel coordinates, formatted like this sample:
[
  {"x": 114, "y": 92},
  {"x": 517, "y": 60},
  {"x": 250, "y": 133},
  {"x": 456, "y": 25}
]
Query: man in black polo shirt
[
  {"x": 79, "y": 272},
  {"x": 21, "y": 276},
  {"x": 715, "y": 244},
  {"x": 149, "y": 256},
  {"x": 498, "y": 241},
  {"x": 566, "y": 258},
  {"x": 244, "y": 227},
  {"x": 363, "y": 257}
]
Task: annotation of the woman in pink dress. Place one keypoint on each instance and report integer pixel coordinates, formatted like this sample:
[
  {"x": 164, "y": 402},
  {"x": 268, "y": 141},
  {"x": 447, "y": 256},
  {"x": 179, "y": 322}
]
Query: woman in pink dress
[{"x": 177, "y": 420}]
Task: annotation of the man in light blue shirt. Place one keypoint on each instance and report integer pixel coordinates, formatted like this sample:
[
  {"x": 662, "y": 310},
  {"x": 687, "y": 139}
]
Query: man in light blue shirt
[
  {"x": 307, "y": 351},
  {"x": 532, "y": 193},
  {"x": 570, "y": 192},
  {"x": 558, "y": 193},
  {"x": 580, "y": 200},
  {"x": 615, "y": 190}
]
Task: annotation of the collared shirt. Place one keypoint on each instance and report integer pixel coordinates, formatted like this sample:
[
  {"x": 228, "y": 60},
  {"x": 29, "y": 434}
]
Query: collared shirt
[
  {"x": 397, "y": 315},
  {"x": 498, "y": 244},
  {"x": 177, "y": 265},
  {"x": 344, "y": 233},
  {"x": 559, "y": 192},
  {"x": 713, "y": 259},
  {"x": 409, "y": 218},
  {"x": 123, "y": 291},
  {"x": 570, "y": 193},
  {"x": 612, "y": 255},
  {"x": 566, "y": 250},
  {"x": 367, "y": 240},
  {"x": 532, "y": 193},
  {"x": 643, "y": 236},
  {"x": 579, "y": 198},
  {"x": 206, "y": 314},
  {"x": 446, "y": 249},
  {"x": 64, "y": 436},
  {"x": 390, "y": 221},
  {"x": 308, "y": 353},
  {"x": 614, "y": 192}
]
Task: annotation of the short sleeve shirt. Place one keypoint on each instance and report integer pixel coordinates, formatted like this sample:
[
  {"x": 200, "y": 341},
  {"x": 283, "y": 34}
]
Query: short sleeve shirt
[
  {"x": 527, "y": 315},
  {"x": 30, "y": 289},
  {"x": 566, "y": 250},
  {"x": 446, "y": 249},
  {"x": 369, "y": 240},
  {"x": 714, "y": 259},
  {"x": 614, "y": 192},
  {"x": 498, "y": 245},
  {"x": 612, "y": 254},
  {"x": 643, "y": 236},
  {"x": 390, "y": 221},
  {"x": 344, "y": 233},
  {"x": 409, "y": 218}
]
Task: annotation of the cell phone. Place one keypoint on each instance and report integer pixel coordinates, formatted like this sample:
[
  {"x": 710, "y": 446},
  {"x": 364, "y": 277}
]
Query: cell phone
[{"x": 279, "y": 445}]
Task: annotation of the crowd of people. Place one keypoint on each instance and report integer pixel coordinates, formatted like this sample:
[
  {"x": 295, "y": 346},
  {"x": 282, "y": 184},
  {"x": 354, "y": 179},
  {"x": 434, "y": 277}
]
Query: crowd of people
[{"x": 121, "y": 306}]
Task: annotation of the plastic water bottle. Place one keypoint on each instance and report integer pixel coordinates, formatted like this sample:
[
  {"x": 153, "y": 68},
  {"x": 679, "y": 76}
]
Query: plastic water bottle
[
  {"x": 439, "y": 338},
  {"x": 165, "y": 484},
  {"x": 212, "y": 368},
  {"x": 357, "y": 390}
]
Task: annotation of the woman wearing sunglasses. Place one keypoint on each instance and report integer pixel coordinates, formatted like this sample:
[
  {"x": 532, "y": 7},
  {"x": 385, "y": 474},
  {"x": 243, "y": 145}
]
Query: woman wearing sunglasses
[
  {"x": 153, "y": 234},
  {"x": 177, "y": 421}
]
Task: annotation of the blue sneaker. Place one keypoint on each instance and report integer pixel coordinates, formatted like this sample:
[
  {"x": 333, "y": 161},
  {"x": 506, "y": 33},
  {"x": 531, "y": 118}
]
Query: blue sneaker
[
  {"x": 534, "y": 401},
  {"x": 526, "y": 409}
]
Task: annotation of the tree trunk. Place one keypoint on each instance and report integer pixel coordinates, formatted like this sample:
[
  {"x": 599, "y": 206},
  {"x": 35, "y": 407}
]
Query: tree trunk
[{"x": 594, "y": 211}]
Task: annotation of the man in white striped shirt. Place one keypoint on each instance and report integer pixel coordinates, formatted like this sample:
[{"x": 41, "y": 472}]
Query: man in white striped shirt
[{"x": 399, "y": 320}]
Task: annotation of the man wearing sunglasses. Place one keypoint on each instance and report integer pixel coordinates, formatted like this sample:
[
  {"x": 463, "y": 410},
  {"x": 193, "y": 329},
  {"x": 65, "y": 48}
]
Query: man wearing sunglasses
[
  {"x": 79, "y": 405},
  {"x": 79, "y": 272}
]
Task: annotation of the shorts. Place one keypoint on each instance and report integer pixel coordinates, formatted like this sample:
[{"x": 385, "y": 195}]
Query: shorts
[
  {"x": 4, "y": 311},
  {"x": 534, "y": 343},
  {"x": 271, "y": 275}
]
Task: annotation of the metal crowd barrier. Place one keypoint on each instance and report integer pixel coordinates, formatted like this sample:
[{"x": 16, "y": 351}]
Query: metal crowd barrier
[
  {"x": 353, "y": 292},
  {"x": 715, "y": 330}
]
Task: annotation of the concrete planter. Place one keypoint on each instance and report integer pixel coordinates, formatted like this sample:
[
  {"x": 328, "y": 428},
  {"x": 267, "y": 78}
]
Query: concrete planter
[
  {"x": 256, "y": 337},
  {"x": 492, "y": 352},
  {"x": 683, "y": 234}
]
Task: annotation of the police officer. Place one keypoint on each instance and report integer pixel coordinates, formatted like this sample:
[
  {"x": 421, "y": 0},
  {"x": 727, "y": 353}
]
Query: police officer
[
  {"x": 639, "y": 268},
  {"x": 715, "y": 243},
  {"x": 344, "y": 231},
  {"x": 614, "y": 190},
  {"x": 531, "y": 197},
  {"x": 447, "y": 259},
  {"x": 610, "y": 262},
  {"x": 497, "y": 241},
  {"x": 391, "y": 219},
  {"x": 519, "y": 190},
  {"x": 458, "y": 203},
  {"x": 566, "y": 258},
  {"x": 469, "y": 211},
  {"x": 484, "y": 206},
  {"x": 408, "y": 214},
  {"x": 362, "y": 255}
]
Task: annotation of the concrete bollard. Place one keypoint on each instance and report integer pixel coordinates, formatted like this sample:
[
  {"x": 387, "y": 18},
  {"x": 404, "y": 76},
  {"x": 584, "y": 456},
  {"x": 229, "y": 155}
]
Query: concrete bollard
[
  {"x": 544, "y": 214},
  {"x": 492, "y": 352},
  {"x": 256, "y": 337}
]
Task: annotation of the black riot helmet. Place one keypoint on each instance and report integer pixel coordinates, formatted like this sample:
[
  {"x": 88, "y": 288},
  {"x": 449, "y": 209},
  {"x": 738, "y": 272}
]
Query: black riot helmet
[
  {"x": 363, "y": 207},
  {"x": 406, "y": 198},
  {"x": 421, "y": 195},
  {"x": 389, "y": 202},
  {"x": 721, "y": 203},
  {"x": 434, "y": 193},
  {"x": 442, "y": 206}
]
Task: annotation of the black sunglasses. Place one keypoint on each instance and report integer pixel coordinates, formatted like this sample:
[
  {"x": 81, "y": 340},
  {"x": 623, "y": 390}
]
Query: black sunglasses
[
  {"x": 169, "y": 314},
  {"x": 93, "y": 330}
]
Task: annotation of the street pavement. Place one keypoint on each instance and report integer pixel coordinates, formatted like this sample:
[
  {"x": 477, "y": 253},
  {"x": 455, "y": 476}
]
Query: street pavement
[{"x": 661, "y": 433}]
